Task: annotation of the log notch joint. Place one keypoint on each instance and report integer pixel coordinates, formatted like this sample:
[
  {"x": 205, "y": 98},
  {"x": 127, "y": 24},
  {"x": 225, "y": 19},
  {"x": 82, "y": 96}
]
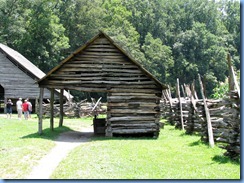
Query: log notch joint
[{"x": 102, "y": 66}]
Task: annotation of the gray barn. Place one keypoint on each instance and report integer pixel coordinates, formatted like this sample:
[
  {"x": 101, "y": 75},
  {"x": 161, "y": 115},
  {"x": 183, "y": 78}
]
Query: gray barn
[{"x": 18, "y": 77}]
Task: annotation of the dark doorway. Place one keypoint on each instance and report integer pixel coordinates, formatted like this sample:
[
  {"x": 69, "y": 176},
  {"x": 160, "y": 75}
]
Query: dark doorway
[{"x": 1, "y": 99}]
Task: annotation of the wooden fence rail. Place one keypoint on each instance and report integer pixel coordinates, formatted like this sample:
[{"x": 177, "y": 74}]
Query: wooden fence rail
[{"x": 224, "y": 115}]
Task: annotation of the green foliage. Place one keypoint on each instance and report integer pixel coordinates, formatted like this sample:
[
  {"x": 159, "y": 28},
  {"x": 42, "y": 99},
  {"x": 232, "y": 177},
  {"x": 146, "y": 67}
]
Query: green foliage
[
  {"x": 220, "y": 90},
  {"x": 172, "y": 39}
]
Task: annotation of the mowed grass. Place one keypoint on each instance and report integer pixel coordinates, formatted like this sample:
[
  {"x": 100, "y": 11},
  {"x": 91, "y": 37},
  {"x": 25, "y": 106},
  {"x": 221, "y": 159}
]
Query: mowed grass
[
  {"x": 21, "y": 146},
  {"x": 173, "y": 155}
]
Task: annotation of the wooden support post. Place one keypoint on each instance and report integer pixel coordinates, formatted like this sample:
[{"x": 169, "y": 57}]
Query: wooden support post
[
  {"x": 194, "y": 93},
  {"x": 232, "y": 77},
  {"x": 210, "y": 130},
  {"x": 182, "y": 88},
  {"x": 5, "y": 102},
  {"x": 61, "y": 109},
  {"x": 40, "y": 111},
  {"x": 235, "y": 81},
  {"x": 36, "y": 105},
  {"x": 51, "y": 109},
  {"x": 181, "y": 113}
]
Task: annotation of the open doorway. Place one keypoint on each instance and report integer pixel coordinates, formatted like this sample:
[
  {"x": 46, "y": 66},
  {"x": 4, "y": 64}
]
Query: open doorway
[
  {"x": 91, "y": 104},
  {"x": 1, "y": 99}
]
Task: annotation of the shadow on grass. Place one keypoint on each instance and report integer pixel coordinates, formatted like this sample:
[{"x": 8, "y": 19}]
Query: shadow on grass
[
  {"x": 76, "y": 136},
  {"x": 48, "y": 134},
  {"x": 221, "y": 159}
]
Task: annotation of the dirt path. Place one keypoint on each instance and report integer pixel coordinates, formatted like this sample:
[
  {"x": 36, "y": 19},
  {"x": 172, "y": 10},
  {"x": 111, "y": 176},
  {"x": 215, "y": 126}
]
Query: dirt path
[{"x": 64, "y": 144}]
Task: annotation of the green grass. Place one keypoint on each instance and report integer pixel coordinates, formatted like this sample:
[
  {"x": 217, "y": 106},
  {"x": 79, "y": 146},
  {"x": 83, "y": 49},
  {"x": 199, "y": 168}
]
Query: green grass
[
  {"x": 173, "y": 155},
  {"x": 21, "y": 146}
]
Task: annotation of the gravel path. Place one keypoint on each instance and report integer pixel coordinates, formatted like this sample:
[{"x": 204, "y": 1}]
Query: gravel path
[{"x": 64, "y": 144}]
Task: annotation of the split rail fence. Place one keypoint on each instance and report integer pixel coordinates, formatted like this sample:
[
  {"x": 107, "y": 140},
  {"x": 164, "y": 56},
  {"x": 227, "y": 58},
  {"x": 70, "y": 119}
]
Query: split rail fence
[{"x": 189, "y": 113}]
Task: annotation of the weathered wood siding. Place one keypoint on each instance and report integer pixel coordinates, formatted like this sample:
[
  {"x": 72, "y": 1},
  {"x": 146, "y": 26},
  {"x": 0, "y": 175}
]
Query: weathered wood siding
[
  {"x": 130, "y": 113},
  {"x": 133, "y": 96},
  {"x": 16, "y": 82}
]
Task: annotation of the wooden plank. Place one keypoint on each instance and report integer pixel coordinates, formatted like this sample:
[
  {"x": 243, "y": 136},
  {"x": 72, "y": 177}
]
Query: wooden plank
[
  {"x": 40, "y": 111},
  {"x": 210, "y": 130},
  {"x": 51, "y": 109},
  {"x": 100, "y": 66},
  {"x": 91, "y": 78},
  {"x": 132, "y": 131},
  {"x": 132, "y": 94},
  {"x": 61, "y": 107},
  {"x": 130, "y": 118},
  {"x": 134, "y": 125},
  {"x": 102, "y": 49},
  {"x": 104, "y": 89},
  {"x": 101, "y": 70},
  {"x": 180, "y": 103},
  {"x": 102, "y": 82},
  {"x": 133, "y": 111},
  {"x": 101, "y": 46},
  {"x": 102, "y": 54},
  {"x": 120, "y": 56},
  {"x": 112, "y": 98}
]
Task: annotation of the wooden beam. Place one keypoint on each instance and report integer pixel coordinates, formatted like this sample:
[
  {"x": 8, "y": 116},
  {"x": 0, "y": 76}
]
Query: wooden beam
[
  {"x": 61, "y": 107},
  {"x": 209, "y": 124},
  {"x": 181, "y": 114},
  {"x": 51, "y": 109},
  {"x": 40, "y": 111},
  {"x": 230, "y": 78}
]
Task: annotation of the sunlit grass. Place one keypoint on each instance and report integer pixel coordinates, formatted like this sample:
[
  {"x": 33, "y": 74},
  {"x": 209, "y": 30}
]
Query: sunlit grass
[
  {"x": 21, "y": 146},
  {"x": 173, "y": 155}
]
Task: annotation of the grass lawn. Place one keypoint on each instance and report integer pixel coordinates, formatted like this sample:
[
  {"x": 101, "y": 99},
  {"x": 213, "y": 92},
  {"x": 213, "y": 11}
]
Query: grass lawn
[
  {"x": 21, "y": 146},
  {"x": 173, "y": 155}
]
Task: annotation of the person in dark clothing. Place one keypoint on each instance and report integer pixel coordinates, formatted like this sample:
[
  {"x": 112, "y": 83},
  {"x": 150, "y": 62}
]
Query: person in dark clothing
[{"x": 9, "y": 108}]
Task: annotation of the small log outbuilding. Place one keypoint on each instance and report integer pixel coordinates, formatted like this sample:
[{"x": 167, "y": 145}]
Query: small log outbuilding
[
  {"x": 18, "y": 78},
  {"x": 133, "y": 94}
]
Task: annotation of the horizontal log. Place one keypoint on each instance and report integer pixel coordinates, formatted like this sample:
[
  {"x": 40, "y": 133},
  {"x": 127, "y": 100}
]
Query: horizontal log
[
  {"x": 131, "y": 118},
  {"x": 102, "y": 88},
  {"x": 134, "y": 125},
  {"x": 113, "y": 98},
  {"x": 84, "y": 59},
  {"x": 133, "y": 111},
  {"x": 132, "y": 94},
  {"x": 101, "y": 70},
  {"x": 101, "y": 46},
  {"x": 100, "y": 66},
  {"x": 133, "y": 131}
]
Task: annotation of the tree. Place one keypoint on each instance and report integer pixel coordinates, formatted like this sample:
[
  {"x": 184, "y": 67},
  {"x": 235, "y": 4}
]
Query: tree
[{"x": 158, "y": 57}]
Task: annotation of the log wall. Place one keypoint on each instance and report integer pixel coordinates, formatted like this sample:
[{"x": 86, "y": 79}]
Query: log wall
[{"x": 101, "y": 66}]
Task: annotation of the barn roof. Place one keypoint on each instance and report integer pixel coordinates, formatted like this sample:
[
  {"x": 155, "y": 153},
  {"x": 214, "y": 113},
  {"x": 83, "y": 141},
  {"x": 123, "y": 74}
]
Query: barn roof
[
  {"x": 102, "y": 34},
  {"x": 24, "y": 64}
]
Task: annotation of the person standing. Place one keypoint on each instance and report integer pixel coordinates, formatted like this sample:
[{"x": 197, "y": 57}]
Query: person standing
[
  {"x": 29, "y": 107},
  {"x": 19, "y": 108},
  {"x": 25, "y": 109},
  {"x": 9, "y": 108}
]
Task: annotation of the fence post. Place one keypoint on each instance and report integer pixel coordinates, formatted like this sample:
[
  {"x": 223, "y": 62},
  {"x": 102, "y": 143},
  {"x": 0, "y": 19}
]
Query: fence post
[
  {"x": 232, "y": 77},
  {"x": 210, "y": 130},
  {"x": 181, "y": 114}
]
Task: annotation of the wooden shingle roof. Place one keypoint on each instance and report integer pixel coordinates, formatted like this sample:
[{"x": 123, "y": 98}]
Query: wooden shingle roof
[{"x": 25, "y": 65}]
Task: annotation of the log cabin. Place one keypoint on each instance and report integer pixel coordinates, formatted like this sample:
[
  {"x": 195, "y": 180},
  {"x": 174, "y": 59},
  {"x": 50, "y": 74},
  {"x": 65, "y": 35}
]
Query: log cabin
[
  {"x": 101, "y": 65},
  {"x": 18, "y": 78}
]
